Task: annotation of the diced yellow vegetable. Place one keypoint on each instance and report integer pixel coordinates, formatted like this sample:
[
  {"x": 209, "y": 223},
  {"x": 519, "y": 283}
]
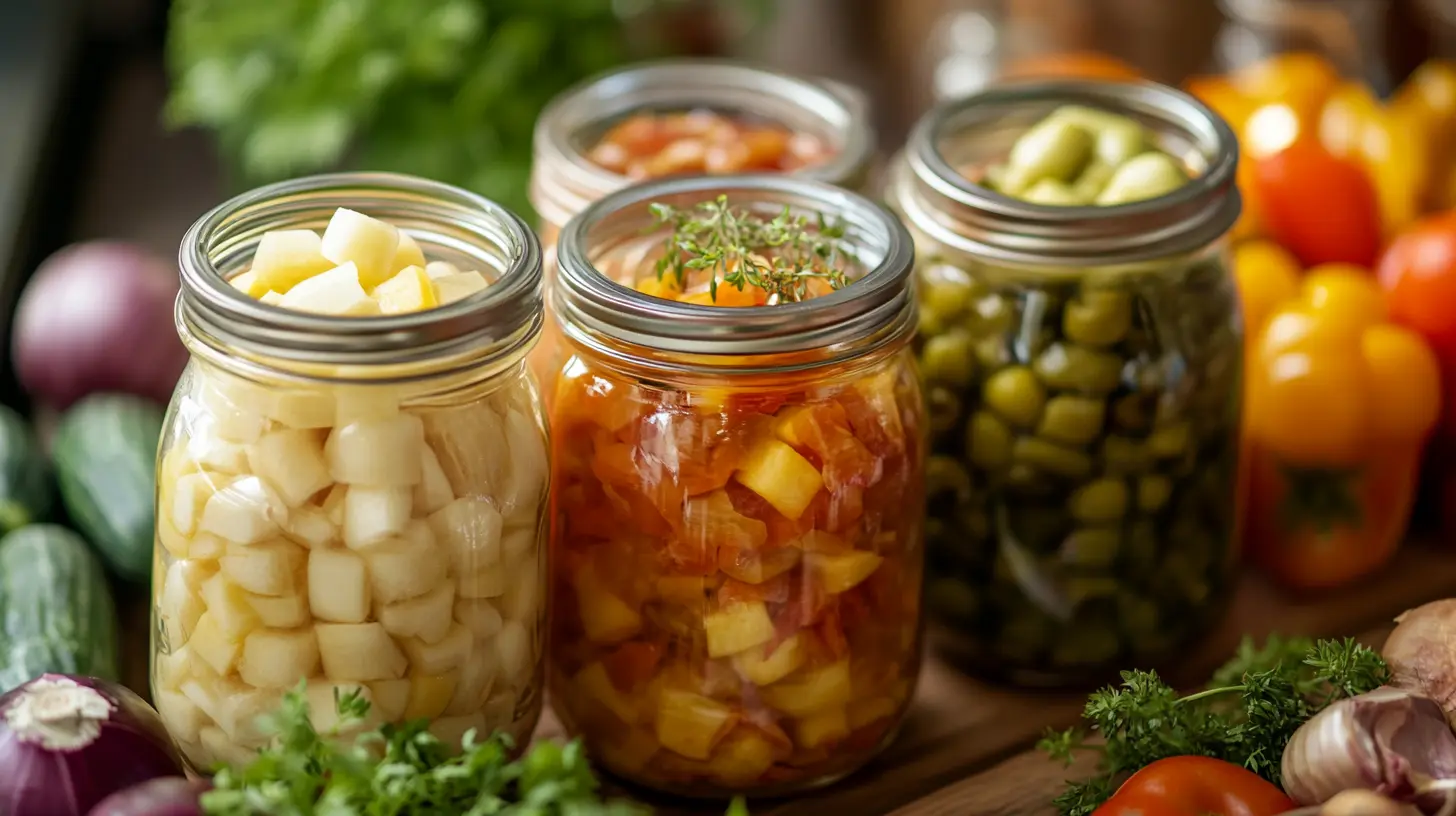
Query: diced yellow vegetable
[
  {"x": 336, "y": 292},
  {"x": 190, "y": 494},
  {"x": 408, "y": 253},
  {"x": 605, "y": 617},
  {"x": 762, "y": 670},
  {"x": 690, "y": 724},
  {"x": 368, "y": 243},
  {"x": 688, "y": 590},
  {"x": 174, "y": 667},
  {"x": 227, "y": 605},
  {"x": 593, "y": 683},
  {"x": 442, "y": 656},
  {"x": 780, "y": 475},
  {"x": 292, "y": 461},
  {"x": 737, "y": 628},
  {"x": 310, "y": 527},
  {"x": 439, "y": 269},
  {"x": 210, "y": 645},
  {"x": 821, "y": 728},
  {"x": 870, "y": 710},
  {"x": 429, "y": 694},
  {"x": 390, "y": 698},
  {"x": 450, "y": 288},
  {"x": 248, "y": 284},
  {"x": 227, "y": 411},
  {"x": 338, "y": 586},
  {"x": 744, "y": 756},
  {"x": 286, "y": 257},
  {"x": 433, "y": 490},
  {"x": 358, "y": 652},
  {"x": 408, "y": 291},
  {"x": 264, "y": 569},
  {"x": 811, "y": 691},
  {"x": 838, "y": 573},
  {"x": 488, "y": 582},
  {"x": 278, "y": 658}
]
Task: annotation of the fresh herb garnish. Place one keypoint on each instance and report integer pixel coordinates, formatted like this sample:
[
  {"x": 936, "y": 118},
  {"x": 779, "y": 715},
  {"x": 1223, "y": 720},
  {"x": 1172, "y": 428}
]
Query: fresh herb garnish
[
  {"x": 402, "y": 770},
  {"x": 738, "y": 247},
  {"x": 1246, "y": 715}
]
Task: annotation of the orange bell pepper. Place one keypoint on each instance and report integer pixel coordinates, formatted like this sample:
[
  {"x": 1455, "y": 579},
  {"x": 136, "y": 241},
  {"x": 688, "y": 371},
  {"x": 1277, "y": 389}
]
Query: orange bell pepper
[{"x": 1338, "y": 405}]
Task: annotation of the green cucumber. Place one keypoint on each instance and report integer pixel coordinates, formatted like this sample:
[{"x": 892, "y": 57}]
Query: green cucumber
[
  {"x": 27, "y": 494},
  {"x": 105, "y": 451},
  {"x": 56, "y": 610}
]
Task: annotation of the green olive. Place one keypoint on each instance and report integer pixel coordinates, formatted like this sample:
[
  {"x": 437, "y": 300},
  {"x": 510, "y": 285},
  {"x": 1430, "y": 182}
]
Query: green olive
[
  {"x": 1089, "y": 644},
  {"x": 953, "y": 600},
  {"x": 1099, "y": 501},
  {"x": 988, "y": 441},
  {"x": 1169, "y": 441},
  {"x": 1070, "y": 367},
  {"x": 1138, "y": 615},
  {"x": 949, "y": 358},
  {"x": 928, "y": 323},
  {"x": 993, "y": 313},
  {"x": 1026, "y": 479},
  {"x": 1094, "y": 177},
  {"x": 1147, "y": 175},
  {"x": 946, "y": 295},
  {"x": 1121, "y": 454},
  {"x": 1054, "y": 193},
  {"x": 1049, "y": 149},
  {"x": 1072, "y": 420},
  {"x": 1015, "y": 394},
  {"x": 1050, "y": 457},
  {"x": 1082, "y": 588},
  {"x": 992, "y": 353},
  {"x": 1141, "y": 546},
  {"x": 1099, "y": 317},
  {"x": 1091, "y": 546},
  {"x": 1134, "y": 412},
  {"x": 945, "y": 474},
  {"x": 943, "y": 407},
  {"x": 1119, "y": 138},
  {"x": 1153, "y": 491}
]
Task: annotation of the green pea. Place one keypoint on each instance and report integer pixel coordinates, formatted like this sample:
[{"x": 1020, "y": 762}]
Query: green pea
[
  {"x": 1121, "y": 454},
  {"x": 944, "y": 474},
  {"x": 1050, "y": 457},
  {"x": 947, "y": 296},
  {"x": 949, "y": 358},
  {"x": 1142, "y": 177},
  {"x": 1072, "y": 420},
  {"x": 1054, "y": 193},
  {"x": 943, "y": 407},
  {"x": 1169, "y": 441},
  {"x": 953, "y": 600},
  {"x": 1071, "y": 367},
  {"x": 988, "y": 441},
  {"x": 1099, "y": 317},
  {"x": 1153, "y": 492},
  {"x": 1099, "y": 501},
  {"x": 1050, "y": 149},
  {"x": 1015, "y": 394},
  {"x": 1091, "y": 547}
]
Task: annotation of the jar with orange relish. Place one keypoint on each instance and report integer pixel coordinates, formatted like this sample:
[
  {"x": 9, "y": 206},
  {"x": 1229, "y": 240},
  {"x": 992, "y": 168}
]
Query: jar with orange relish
[{"x": 737, "y": 560}]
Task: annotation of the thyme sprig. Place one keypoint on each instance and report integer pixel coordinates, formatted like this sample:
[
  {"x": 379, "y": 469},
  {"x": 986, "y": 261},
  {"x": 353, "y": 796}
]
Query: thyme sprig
[{"x": 741, "y": 248}]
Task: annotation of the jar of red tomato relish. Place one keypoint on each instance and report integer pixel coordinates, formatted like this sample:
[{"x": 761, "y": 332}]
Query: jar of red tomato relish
[{"x": 737, "y": 560}]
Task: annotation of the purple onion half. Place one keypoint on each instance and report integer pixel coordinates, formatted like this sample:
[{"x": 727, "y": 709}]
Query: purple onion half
[{"x": 66, "y": 743}]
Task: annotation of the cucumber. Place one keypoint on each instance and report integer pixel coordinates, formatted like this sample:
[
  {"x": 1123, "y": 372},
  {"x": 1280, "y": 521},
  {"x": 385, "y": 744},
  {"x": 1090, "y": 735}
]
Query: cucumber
[
  {"x": 27, "y": 494},
  {"x": 56, "y": 610},
  {"x": 105, "y": 452}
]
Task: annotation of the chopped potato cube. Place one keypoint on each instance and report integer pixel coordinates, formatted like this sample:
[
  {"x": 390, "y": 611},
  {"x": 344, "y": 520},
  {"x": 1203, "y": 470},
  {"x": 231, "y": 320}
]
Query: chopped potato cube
[
  {"x": 390, "y": 698},
  {"x": 358, "y": 652},
  {"x": 206, "y": 547},
  {"x": 450, "y": 288},
  {"x": 408, "y": 253},
  {"x": 821, "y": 728},
  {"x": 593, "y": 683},
  {"x": 209, "y": 644},
  {"x": 323, "y": 706},
  {"x": 691, "y": 724},
  {"x": 429, "y": 694},
  {"x": 338, "y": 586},
  {"x": 529, "y": 464},
  {"x": 248, "y": 284},
  {"x": 476, "y": 678},
  {"x": 286, "y": 257},
  {"x": 811, "y": 691},
  {"x": 282, "y": 612},
  {"x": 405, "y": 567},
  {"x": 310, "y": 527},
  {"x": 218, "y": 455},
  {"x": 488, "y": 582},
  {"x": 479, "y": 616},
  {"x": 515, "y": 650},
  {"x": 433, "y": 490},
  {"x": 426, "y": 617},
  {"x": 180, "y": 715},
  {"x": 180, "y": 604},
  {"x": 367, "y": 243},
  {"x": 278, "y": 658},
  {"x": 838, "y": 573},
  {"x": 373, "y": 515},
  {"x": 442, "y": 656},
  {"x": 336, "y": 292},
  {"x": 408, "y": 291},
  {"x": 382, "y": 452},
  {"x": 190, "y": 494},
  {"x": 333, "y": 504},
  {"x": 764, "y": 669},
  {"x": 264, "y": 569},
  {"x": 468, "y": 531},
  {"x": 292, "y": 461},
  {"x": 245, "y": 512},
  {"x": 229, "y": 412},
  {"x": 302, "y": 408},
  {"x": 737, "y": 628},
  {"x": 227, "y": 605},
  {"x": 439, "y": 269},
  {"x": 780, "y": 475},
  {"x": 605, "y": 617}
]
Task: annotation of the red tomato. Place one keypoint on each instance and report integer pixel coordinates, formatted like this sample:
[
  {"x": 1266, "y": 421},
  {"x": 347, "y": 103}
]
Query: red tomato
[
  {"x": 1418, "y": 271},
  {"x": 1195, "y": 786},
  {"x": 1321, "y": 207}
]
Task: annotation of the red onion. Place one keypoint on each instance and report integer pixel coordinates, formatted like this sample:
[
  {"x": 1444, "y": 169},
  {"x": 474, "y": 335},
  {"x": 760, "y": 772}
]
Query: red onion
[
  {"x": 98, "y": 317},
  {"x": 68, "y": 742},
  {"x": 163, "y": 796}
]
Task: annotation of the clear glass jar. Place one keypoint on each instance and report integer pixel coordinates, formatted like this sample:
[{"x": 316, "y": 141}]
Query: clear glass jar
[
  {"x": 1082, "y": 370},
  {"x": 354, "y": 502},
  {"x": 1348, "y": 33},
  {"x": 711, "y": 637}
]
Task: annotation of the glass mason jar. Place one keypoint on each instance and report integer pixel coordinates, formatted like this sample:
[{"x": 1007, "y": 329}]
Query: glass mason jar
[
  {"x": 737, "y": 562},
  {"x": 354, "y": 502},
  {"x": 1082, "y": 370},
  {"x": 1348, "y": 33},
  {"x": 565, "y": 179}
]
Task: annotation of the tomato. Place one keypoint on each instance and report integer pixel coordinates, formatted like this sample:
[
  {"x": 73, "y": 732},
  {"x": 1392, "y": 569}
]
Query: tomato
[
  {"x": 1196, "y": 786},
  {"x": 1418, "y": 271},
  {"x": 1323, "y": 208}
]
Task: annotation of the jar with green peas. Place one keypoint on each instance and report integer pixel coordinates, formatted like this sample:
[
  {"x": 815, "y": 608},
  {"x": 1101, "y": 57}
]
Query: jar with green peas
[{"x": 1080, "y": 347}]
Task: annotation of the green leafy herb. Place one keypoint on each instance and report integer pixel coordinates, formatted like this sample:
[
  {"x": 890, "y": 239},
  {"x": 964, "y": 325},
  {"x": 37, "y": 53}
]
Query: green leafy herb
[
  {"x": 402, "y": 770},
  {"x": 1246, "y": 716},
  {"x": 739, "y": 247}
]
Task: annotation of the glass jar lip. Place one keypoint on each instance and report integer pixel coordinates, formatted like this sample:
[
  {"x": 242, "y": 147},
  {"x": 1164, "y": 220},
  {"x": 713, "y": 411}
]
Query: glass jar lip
[
  {"x": 684, "y": 83},
  {"x": 587, "y": 301},
  {"x": 930, "y": 191},
  {"x": 510, "y": 308}
]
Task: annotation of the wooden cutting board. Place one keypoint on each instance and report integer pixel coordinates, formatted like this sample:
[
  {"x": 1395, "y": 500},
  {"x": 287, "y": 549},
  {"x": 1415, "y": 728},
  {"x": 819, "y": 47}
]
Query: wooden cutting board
[{"x": 963, "y": 749}]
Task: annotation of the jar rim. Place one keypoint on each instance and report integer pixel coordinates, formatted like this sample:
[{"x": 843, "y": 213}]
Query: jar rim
[
  {"x": 508, "y": 312},
  {"x": 984, "y": 222},
  {"x": 588, "y": 303},
  {"x": 573, "y": 181}
]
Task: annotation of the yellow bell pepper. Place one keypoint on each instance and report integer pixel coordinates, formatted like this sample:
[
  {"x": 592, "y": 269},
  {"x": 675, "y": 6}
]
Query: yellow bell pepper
[{"x": 1390, "y": 143}]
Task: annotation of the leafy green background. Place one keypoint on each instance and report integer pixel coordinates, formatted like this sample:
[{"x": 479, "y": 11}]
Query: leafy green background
[{"x": 445, "y": 89}]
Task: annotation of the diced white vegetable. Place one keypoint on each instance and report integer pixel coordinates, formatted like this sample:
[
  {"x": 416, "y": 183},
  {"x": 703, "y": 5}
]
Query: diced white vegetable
[
  {"x": 190, "y": 494},
  {"x": 168, "y": 536},
  {"x": 358, "y": 652},
  {"x": 367, "y": 243},
  {"x": 470, "y": 443},
  {"x": 310, "y": 527},
  {"x": 450, "y": 288},
  {"x": 378, "y": 453},
  {"x": 292, "y": 461},
  {"x": 527, "y": 455},
  {"x": 476, "y": 677},
  {"x": 206, "y": 546},
  {"x": 217, "y": 454},
  {"x": 180, "y": 715},
  {"x": 390, "y": 698},
  {"x": 323, "y": 709},
  {"x": 468, "y": 531},
  {"x": 518, "y": 542},
  {"x": 336, "y": 292},
  {"x": 176, "y": 462},
  {"x": 439, "y": 269},
  {"x": 248, "y": 284},
  {"x": 243, "y": 709},
  {"x": 499, "y": 708},
  {"x": 451, "y": 730},
  {"x": 216, "y": 744},
  {"x": 286, "y": 257},
  {"x": 180, "y": 605},
  {"x": 439, "y": 657},
  {"x": 264, "y": 569},
  {"x": 271, "y": 298},
  {"x": 408, "y": 291},
  {"x": 364, "y": 403},
  {"x": 209, "y": 691},
  {"x": 513, "y": 647},
  {"x": 487, "y": 582},
  {"x": 225, "y": 415},
  {"x": 408, "y": 253},
  {"x": 426, "y": 617},
  {"x": 333, "y": 504},
  {"x": 283, "y": 612},
  {"x": 278, "y": 658},
  {"x": 479, "y": 616},
  {"x": 433, "y": 490},
  {"x": 429, "y": 694},
  {"x": 522, "y": 601},
  {"x": 302, "y": 408},
  {"x": 211, "y": 646},
  {"x": 338, "y": 586},
  {"x": 405, "y": 567},
  {"x": 227, "y": 605},
  {"x": 244, "y": 512},
  {"x": 374, "y": 514}
]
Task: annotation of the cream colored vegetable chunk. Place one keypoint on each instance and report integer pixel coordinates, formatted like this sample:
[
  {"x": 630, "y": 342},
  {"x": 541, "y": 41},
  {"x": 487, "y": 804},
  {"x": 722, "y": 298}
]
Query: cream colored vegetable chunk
[
  {"x": 292, "y": 461},
  {"x": 244, "y": 512},
  {"x": 468, "y": 530},
  {"x": 358, "y": 651},
  {"x": 367, "y": 243},
  {"x": 284, "y": 258},
  {"x": 377, "y": 453},
  {"x": 337, "y": 292},
  {"x": 450, "y": 288},
  {"x": 426, "y": 617},
  {"x": 338, "y": 586},
  {"x": 405, "y": 567},
  {"x": 278, "y": 658},
  {"x": 264, "y": 569},
  {"x": 375, "y": 514}
]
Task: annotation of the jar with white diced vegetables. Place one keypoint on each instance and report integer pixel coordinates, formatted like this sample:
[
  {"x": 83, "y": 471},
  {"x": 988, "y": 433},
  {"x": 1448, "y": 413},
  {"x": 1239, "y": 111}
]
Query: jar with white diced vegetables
[{"x": 353, "y": 476}]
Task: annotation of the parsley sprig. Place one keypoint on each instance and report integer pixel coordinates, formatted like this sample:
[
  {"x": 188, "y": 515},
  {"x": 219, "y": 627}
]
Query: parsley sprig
[
  {"x": 402, "y": 770},
  {"x": 1246, "y": 716},
  {"x": 739, "y": 247}
]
